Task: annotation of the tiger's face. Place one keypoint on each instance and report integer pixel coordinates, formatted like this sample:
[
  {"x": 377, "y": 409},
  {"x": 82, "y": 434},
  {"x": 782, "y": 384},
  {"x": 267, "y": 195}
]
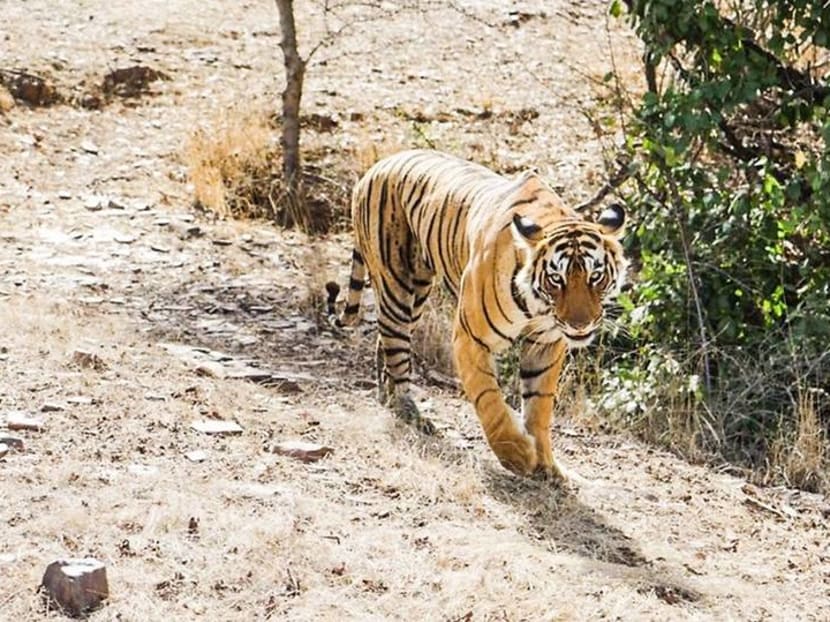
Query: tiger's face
[{"x": 570, "y": 270}]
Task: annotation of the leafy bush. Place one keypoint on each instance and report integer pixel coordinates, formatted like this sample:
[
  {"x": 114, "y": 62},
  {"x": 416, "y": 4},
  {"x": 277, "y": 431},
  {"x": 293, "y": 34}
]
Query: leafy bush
[{"x": 732, "y": 196}]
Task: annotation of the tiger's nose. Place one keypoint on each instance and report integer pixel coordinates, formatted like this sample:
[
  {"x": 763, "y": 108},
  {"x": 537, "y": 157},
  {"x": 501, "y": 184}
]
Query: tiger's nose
[{"x": 580, "y": 323}]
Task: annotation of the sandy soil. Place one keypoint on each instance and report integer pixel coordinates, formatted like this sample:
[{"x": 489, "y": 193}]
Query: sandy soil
[{"x": 183, "y": 317}]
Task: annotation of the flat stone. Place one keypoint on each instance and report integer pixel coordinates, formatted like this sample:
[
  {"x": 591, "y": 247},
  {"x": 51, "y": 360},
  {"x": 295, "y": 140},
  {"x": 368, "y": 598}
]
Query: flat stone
[
  {"x": 19, "y": 420},
  {"x": 12, "y": 442},
  {"x": 197, "y": 455},
  {"x": 211, "y": 369},
  {"x": 216, "y": 427},
  {"x": 301, "y": 450},
  {"x": 79, "y": 400},
  {"x": 89, "y": 147},
  {"x": 76, "y": 585},
  {"x": 52, "y": 407},
  {"x": 94, "y": 203}
]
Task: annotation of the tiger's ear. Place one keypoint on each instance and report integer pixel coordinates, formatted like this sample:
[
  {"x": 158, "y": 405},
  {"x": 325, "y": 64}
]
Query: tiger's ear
[
  {"x": 525, "y": 231},
  {"x": 612, "y": 220}
]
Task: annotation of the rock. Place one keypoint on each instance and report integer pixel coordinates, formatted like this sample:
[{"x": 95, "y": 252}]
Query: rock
[
  {"x": 28, "y": 88},
  {"x": 211, "y": 369},
  {"x": 94, "y": 203},
  {"x": 88, "y": 360},
  {"x": 19, "y": 420},
  {"x": 76, "y": 585},
  {"x": 52, "y": 407},
  {"x": 197, "y": 455},
  {"x": 4, "y": 449},
  {"x": 301, "y": 450},
  {"x": 124, "y": 238},
  {"x": 79, "y": 400},
  {"x": 216, "y": 427},
  {"x": 89, "y": 147},
  {"x": 12, "y": 442},
  {"x": 131, "y": 81},
  {"x": 246, "y": 372}
]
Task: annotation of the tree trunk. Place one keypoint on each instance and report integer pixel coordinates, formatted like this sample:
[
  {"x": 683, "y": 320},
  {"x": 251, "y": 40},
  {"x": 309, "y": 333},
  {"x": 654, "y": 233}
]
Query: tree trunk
[{"x": 294, "y": 212}]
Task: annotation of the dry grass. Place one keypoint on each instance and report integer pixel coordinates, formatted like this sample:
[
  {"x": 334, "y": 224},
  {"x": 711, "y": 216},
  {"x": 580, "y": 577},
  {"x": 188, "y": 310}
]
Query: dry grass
[
  {"x": 800, "y": 453},
  {"x": 390, "y": 526},
  {"x": 233, "y": 165}
]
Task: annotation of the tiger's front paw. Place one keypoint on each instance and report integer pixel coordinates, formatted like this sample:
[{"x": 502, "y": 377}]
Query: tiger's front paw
[
  {"x": 549, "y": 471},
  {"x": 517, "y": 453}
]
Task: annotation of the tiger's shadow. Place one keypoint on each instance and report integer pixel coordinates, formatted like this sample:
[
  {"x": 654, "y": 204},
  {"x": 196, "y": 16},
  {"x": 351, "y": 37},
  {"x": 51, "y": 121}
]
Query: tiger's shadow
[
  {"x": 554, "y": 515},
  {"x": 556, "y": 518}
]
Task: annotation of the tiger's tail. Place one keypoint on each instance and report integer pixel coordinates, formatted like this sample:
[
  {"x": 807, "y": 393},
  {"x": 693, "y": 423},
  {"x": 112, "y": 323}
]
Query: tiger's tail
[{"x": 357, "y": 281}]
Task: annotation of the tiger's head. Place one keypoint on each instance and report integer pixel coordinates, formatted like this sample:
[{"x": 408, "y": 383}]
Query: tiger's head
[{"x": 569, "y": 269}]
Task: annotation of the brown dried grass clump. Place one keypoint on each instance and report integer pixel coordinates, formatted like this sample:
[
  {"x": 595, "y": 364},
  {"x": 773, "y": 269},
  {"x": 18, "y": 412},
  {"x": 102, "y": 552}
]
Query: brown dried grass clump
[
  {"x": 800, "y": 455},
  {"x": 234, "y": 166}
]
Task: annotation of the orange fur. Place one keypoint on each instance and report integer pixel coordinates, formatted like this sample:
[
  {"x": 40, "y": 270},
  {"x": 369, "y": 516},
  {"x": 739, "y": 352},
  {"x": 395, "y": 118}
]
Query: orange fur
[{"x": 522, "y": 265}]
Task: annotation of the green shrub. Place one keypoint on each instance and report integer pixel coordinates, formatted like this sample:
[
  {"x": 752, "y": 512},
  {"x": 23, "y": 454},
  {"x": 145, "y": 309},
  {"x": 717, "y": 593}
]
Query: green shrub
[{"x": 731, "y": 198}]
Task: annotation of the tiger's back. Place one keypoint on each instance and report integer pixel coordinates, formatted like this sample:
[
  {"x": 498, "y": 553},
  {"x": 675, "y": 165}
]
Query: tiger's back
[{"x": 414, "y": 206}]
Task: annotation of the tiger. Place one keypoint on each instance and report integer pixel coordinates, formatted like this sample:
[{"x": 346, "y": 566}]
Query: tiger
[{"x": 520, "y": 264}]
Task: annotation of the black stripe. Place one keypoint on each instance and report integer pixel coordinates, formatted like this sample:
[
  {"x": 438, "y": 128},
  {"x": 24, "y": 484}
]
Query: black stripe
[
  {"x": 527, "y": 201},
  {"x": 367, "y": 205},
  {"x": 518, "y": 297},
  {"x": 395, "y": 351},
  {"x": 482, "y": 394},
  {"x": 462, "y": 318},
  {"x": 486, "y": 372},
  {"x": 493, "y": 327},
  {"x": 454, "y": 240},
  {"x": 389, "y": 296},
  {"x": 534, "y": 394},
  {"x": 391, "y": 332},
  {"x": 356, "y": 284},
  {"x": 357, "y": 257},
  {"x": 351, "y": 309},
  {"x": 382, "y": 224},
  {"x": 414, "y": 205},
  {"x": 429, "y": 244},
  {"x": 529, "y": 374}
]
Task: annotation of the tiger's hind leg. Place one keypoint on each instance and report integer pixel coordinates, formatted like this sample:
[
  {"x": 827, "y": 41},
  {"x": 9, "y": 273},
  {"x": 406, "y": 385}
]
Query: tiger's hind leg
[{"x": 398, "y": 308}]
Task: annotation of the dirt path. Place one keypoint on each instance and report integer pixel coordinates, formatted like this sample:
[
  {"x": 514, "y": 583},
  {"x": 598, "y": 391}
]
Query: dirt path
[{"x": 184, "y": 318}]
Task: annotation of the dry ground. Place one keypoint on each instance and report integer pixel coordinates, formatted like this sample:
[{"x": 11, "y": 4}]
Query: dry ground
[{"x": 101, "y": 251}]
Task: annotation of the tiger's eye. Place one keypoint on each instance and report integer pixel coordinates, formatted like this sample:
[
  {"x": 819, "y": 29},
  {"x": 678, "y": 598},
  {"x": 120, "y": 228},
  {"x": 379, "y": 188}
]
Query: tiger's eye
[{"x": 555, "y": 279}]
